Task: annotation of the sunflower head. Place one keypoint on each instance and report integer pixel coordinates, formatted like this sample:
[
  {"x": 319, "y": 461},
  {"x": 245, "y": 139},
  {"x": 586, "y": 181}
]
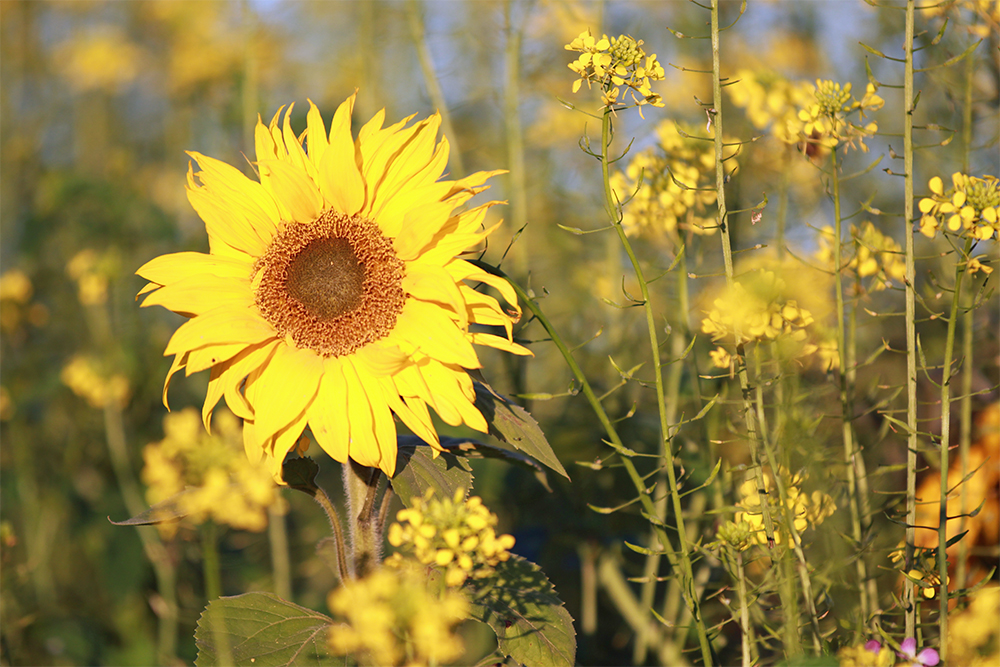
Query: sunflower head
[{"x": 333, "y": 295}]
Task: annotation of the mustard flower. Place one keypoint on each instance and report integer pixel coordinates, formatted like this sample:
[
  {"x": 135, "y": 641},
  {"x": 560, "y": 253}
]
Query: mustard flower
[
  {"x": 971, "y": 208},
  {"x": 870, "y": 654},
  {"x": 220, "y": 483},
  {"x": 95, "y": 383},
  {"x": 754, "y": 309},
  {"x": 392, "y": 617},
  {"x": 805, "y": 509},
  {"x": 973, "y": 633},
  {"x": 770, "y": 99},
  {"x": 670, "y": 186},
  {"x": 613, "y": 63},
  {"x": 459, "y": 537},
  {"x": 822, "y": 124},
  {"x": 871, "y": 255}
]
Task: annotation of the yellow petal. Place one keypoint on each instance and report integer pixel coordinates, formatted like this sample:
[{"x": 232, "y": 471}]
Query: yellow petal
[
  {"x": 200, "y": 294},
  {"x": 328, "y": 413},
  {"x": 285, "y": 388},
  {"x": 433, "y": 283},
  {"x": 279, "y": 445},
  {"x": 385, "y": 426},
  {"x": 221, "y": 222},
  {"x": 226, "y": 324},
  {"x": 428, "y": 328},
  {"x": 500, "y": 343},
  {"x": 246, "y": 198},
  {"x": 293, "y": 188},
  {"x": 316, "y": 141},
  {"x": 180, "y": 265},
  {"x": 234, "y": 372},
  {"x": 339, "y": 177},
  {"x": 362, "y": 446},
  {"x": 381, "y": 359}
]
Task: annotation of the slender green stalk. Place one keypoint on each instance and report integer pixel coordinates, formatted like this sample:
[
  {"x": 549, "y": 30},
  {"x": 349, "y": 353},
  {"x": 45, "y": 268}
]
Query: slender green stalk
[
  {"x": 965, "y": 408},
  {"x": 946, "y": 375},
  {"x": 344, "y": 569},
  {"x": 515, "y": 136},
  {"x": 909, "y": 597},
  {"x": 681, "y": 565},
  {"x": 277, "y": 535},
  {"x": 786, "y": 167},
  {"x": 212, "y": 573},
  {"x": 419, "y": 36},
  {"x": 666, "y": 454},
  {"x": 846, "y": 388},
  {"x": 753, "y": 438}
]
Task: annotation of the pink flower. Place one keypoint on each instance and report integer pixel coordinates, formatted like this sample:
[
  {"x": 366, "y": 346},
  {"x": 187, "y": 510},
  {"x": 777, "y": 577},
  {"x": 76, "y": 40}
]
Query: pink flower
[{"x": 926, "y": 658}]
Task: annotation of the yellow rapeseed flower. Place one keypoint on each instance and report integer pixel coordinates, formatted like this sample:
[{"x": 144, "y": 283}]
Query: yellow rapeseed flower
[
  {"x": 220, "y": 482},
  {"x": 458, "y": 536},
  {"x": 612, "y": 63},
  {"x": 872, "y": 255},
  {"x": 92, "y": 381},
  {"x": 332, "y": 296},
  {"x": 973, "y": 634},
  {"x": 392, "y": 617},
  {"x": 805, "y": 509},
  {"x": 754, "y": 308},
  {"x": 971, "y": 208}
]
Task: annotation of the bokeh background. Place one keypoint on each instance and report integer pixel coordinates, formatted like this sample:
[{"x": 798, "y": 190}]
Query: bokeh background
[{"x": 100, "y": 100}]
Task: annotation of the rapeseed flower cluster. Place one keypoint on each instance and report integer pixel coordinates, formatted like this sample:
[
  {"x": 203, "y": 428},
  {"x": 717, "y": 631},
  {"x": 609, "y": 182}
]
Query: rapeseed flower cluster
[
  {"x": 769, "y": 99},
  {"x": 613, "y": 63},
  {"x": 970, "y": 208},
  {"x": 670, "y": 185},
  {"x": 457, "y": 536},
  {"x": 93, "y": 382},
  {"x": 754, "y": 309},
  {"x": 90, "y": 271},
  {"x": 218, "y": 481},
  {"x": 822, "y": 123},
  {"x": 805, "y": 509},
  {"x": 875, "y": 256},
  {"x": 16, "y": 293},
  {"x": 391, "y": 617},
  {"x": 982, "y": 20},
  {"x": 869, "y": 654}
]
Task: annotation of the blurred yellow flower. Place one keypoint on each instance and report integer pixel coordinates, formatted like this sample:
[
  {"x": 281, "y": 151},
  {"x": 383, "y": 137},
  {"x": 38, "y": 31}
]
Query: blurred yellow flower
[
  {"x": 333, "y": 296},
  {"x": 769, "y": 99},
  {"x": 89, "y": 380},
  {"x": 981, "y": 18},
  {"x": 866, "y": 656},
  {"x": 871, "y": 255},
  {"x": 220, "y": 483},
  {"x": 973, "y": 633},
  {"x": 720, "y": 357},
  {"x": 15, "y": 286},
  {"x": 102, "y": 60},
  {"x": 459, "y": 537},
  {"x": 613, "y": 63},
  {"x": 822, "y": 123},
  {"x": 754, "y": 308},
  {"x": 393, "y": 617},
  {"x": 805, "y": 509},
  {"x": 971, "y": 208},
  {"x": 669, "y": 186}
]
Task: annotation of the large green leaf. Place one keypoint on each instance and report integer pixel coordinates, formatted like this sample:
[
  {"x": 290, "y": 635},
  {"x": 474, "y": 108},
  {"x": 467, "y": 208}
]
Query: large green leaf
[
  {"x": 262, "y": 630},
  {"x": 418, "y": 470},
  {"x": 522, "y": 608},
  {"x": 512, "y": 425}
]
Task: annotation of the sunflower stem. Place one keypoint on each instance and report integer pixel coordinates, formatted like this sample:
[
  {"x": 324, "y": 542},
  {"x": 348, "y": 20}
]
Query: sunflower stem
[
  {"x": 320, "y": 495},
  {"x": 360, "y": 489}
]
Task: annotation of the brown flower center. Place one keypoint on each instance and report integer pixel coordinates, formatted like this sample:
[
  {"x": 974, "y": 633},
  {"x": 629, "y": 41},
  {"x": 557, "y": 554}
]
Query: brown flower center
[{"x": 333, "y": 285}]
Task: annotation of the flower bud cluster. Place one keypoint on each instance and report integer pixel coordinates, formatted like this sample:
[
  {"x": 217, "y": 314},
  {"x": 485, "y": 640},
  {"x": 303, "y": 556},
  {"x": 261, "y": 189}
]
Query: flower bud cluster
[
  {"x": 459, "y": 537},
  {"x": 822, "y": 123},
  {"x": 971, "y": 208},
  {"x": 613, "y": 63}
]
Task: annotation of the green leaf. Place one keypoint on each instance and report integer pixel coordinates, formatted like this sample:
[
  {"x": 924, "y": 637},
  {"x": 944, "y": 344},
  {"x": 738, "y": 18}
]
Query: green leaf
[
  {"x": 512, "y": 425},
  {"x": 161, "y": 512},
  {"x": 262, "y": 630},
  {"x": 300, "y": 474},
  {"x": 418, "y": 470},
  {"x": 521, "y": 607},
  {"x": 474, "y": 449}
]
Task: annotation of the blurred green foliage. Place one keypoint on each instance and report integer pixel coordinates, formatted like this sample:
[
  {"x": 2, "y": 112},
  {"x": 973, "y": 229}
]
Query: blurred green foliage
[{"x": 99, "y": 101}]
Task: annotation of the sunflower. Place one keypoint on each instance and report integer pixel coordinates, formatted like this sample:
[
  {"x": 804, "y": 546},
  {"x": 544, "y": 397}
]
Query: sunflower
[{"x": 332, "y": 296}]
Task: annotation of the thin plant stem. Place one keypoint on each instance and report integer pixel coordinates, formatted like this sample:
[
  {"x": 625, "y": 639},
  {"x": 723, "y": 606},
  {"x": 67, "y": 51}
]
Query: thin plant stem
[
  {"x": 419, "y": 36},
  {"x": 845, "y": 376},
  {"x": 615, "y": 441},
  {"x": 212, "y": 573},
  {"x": 514, "y": 135},
  {"x": 277, "y": 535},
  {"x": 909, "y": 596},
  {"x": 786, "y": 163},
  {"x": 715, "y": 113},
  {"x": 344, "y": 568},
  {"x": 965, "y": 407},
  {"x": 946, "y": 375},
  {"x": 665, "y": 449},
  {"x": 747, "y": 641}
]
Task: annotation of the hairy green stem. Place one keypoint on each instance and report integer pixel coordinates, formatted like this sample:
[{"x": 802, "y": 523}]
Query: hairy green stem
[{"x": 360, "y": 489}]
